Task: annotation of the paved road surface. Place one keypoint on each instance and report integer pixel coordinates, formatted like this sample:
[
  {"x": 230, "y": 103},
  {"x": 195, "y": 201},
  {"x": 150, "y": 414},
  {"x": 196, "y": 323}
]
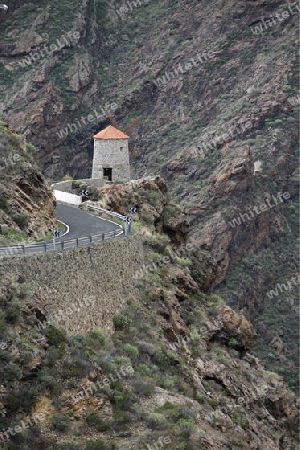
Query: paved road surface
[{"x": 82, "y": 223}]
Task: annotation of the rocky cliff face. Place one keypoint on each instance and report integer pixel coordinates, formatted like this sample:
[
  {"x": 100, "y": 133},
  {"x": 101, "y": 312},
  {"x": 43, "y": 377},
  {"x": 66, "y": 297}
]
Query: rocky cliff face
[
  {"x": 214, "y": 87},
  {"x": 176, "y": 370},
  {"x": 27, "y": 203},
  {"x": 153, "y": 205}
]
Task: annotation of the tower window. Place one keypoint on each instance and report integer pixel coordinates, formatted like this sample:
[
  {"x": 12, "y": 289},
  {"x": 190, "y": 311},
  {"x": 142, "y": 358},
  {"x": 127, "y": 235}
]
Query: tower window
[{"x": 121, "y": 148}]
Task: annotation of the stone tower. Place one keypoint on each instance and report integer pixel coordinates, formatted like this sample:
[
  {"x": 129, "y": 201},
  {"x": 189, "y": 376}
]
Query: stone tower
[{"x": 111, "y": 155}]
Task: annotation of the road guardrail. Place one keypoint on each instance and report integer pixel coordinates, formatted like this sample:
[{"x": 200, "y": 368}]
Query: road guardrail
[
  {"x": 61, "y": 245},
  {"x": 58, "y": 245}
]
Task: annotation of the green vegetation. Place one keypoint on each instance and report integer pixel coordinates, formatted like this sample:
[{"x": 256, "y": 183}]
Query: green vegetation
[
  {"x": 122, "y": 322},
  {"x": 159, "y": 332},
  {"x": 60, "y": 422}
]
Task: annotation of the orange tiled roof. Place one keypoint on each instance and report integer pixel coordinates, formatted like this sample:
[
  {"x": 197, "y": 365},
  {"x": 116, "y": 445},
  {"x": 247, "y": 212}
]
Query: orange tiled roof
[{"x": 110, "y": 133}]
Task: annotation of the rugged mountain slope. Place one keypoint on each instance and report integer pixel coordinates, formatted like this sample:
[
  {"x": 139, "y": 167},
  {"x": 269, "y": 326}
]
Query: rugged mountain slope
[
  {"x": 175, "y": 374},
  {"x": 231, "y": 101},
  {"x": 26, "y": 201}
]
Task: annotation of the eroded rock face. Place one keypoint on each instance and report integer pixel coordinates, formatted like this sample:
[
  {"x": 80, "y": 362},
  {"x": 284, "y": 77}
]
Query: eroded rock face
[
  {"x": 150, "y": 196},
  {"x": 231, "y": 177},
  {"x": 237, "y": 326},
  {"x": 80, "y": 74},
  {"x": 243, "y": 87},
  {"x": 233, "y": 174},
  {"x": 37, "y": 107},
  {"x": 216, "y": 345},
  {"x": 27, "y": 200},
  {"x": 189, "y": 341}
]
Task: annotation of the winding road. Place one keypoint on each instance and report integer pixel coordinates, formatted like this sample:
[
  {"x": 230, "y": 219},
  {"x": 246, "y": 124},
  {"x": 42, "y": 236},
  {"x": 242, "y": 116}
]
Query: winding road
[
  {"x": 82, "y": 223},
  {"x": 83, "y": 229}
]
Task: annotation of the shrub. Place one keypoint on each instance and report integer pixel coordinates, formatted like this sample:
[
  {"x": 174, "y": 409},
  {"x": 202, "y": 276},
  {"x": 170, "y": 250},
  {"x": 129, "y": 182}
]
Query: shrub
[
  {"x": 95, "y": 420},
  {"x": 201, "y": 397},
  {"x": 75, "y": 369},
  {"x": 4, "y": 357},
  {"x": 100, "y": 445},
  {"x": 24, "y": 399},
  {"x": 187, "y": 426},
  {"x": 52, "y": 356},
  {"x": 153, "y": 196},
  {"x": 4, "y": 424},
  {"x": 215, "y": 299},
  {"x": 23, "y": 290},
  {"x": 76, "y": 184},
  {"x": 213, "y": 402},
  {"x": 164, "y": 360},
  {"x": 51, "y": 383},
  {"x": 154, "y": 256},
  {"x": 155, "y": 278},
  {"x": 95, "y": 339},
  {"x": 224, "y": 360},
  {"x": 12, "y": 315},
  {"x": 144, "y": 387},
  {"x": 122, "y": 361},
  {"x": 184, "y": 262},
  {"x": 132, "y": 350},
  {"x": 55, "y": 336},
  {"x": 159, "y": 242},
  {"x": 187, "y": 413},
  {"x": 167, "y": 381},
  {"x": 148, "y": 348},
  {"x": 123, "y": 400},
  {"x": 148, "y": 219},
  {"x": 60, "y": 421},
  {"x": 157, "y": 421},
  {"x": 122, "y": 322},
  {"x": 233, "y": 343},
  {"x": 144, "y": 370},
  {"x": 5, "y": 447},
  {"x": 170, "y": 210},
  {"x": 12, "y": 372},
  {"x": 21, "y": 220},
  {"x": 66, "y": 445},
  {"x": 3, "y": 204},
  {"x": 121, "y": 417}
]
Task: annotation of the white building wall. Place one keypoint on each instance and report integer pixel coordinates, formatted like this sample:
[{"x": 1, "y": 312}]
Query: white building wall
[{"x": 67, "y": 198}]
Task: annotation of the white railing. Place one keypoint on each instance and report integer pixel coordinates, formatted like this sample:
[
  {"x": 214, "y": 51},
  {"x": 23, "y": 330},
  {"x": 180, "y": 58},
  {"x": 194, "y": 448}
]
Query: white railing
[
  {"x": 126, "y": 219},
  {"x": 109, "y": 213}
]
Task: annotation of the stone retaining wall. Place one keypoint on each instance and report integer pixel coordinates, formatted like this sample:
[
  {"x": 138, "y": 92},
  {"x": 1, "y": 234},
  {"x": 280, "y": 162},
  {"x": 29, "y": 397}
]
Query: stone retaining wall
[{"x": 82, "y": 287}]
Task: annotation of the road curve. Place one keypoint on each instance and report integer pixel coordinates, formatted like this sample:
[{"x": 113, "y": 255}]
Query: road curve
[
  {"x": 84, "y": 228},
  {"x": 82, "y": 223}
]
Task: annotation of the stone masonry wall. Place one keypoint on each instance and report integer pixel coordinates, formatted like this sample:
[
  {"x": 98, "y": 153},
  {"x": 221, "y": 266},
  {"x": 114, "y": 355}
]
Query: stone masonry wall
[
  {"x": 82, "y": 287},
  {"x": 107, "y": 153}
]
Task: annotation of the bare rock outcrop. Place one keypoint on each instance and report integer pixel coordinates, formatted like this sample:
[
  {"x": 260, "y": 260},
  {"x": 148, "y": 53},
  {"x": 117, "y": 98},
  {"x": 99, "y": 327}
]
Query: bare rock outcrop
[{"x": 27, "y": 200}]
